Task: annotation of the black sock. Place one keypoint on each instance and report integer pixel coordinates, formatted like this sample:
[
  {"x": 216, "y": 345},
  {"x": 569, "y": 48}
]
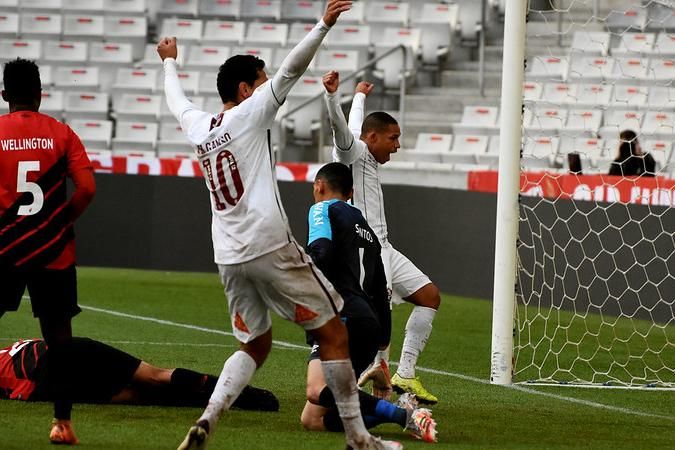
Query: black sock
[
  {"x": 59, "y": 360},
  {"x": 332, "y": 421},
  {"x": 190, "y": 388},
  {"x": 367, "y": 401}
]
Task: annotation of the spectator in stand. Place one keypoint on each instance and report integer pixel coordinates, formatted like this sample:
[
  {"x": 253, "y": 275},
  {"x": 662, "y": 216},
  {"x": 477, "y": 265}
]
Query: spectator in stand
[{"x": 631, "y": 161}]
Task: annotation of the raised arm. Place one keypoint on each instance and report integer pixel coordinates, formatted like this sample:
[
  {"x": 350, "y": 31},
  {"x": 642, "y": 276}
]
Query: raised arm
[
  {"x": 348, "y": 148},
  {"x": 297, "y": 61},
  {"x": 358, "y": 107},
  {"x": 182, "y": 109}
]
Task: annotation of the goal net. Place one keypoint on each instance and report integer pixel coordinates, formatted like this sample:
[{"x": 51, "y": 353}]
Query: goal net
[{"x": 595, "y": 289}]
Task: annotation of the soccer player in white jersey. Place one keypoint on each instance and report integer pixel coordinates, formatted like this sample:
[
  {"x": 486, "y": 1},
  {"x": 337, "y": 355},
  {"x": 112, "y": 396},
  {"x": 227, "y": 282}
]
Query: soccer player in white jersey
[
  {"x": 365, "y": 145},
  {"x": 260, "y": 264}
]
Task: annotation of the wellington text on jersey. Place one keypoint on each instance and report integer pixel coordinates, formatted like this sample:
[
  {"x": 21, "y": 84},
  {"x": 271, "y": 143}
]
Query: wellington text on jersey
[{"x": 27, "y": 144}]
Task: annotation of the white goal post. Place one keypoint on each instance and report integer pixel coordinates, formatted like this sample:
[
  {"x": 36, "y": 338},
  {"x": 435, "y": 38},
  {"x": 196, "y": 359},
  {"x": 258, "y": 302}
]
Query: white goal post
[{"x": 584, "y": 273}]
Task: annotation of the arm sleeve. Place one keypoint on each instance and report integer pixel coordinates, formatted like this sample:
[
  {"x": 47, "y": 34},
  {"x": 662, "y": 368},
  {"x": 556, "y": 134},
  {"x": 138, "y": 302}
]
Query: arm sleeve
[
  {"x": 182, "y": 109},
  {"x": 319, "y": 242},
  {"x": 297, "y": 61},
  {"x": 382, "y": 303},
  {"x": 342, "y": 138},
  {"x": 356, "y": 113}
]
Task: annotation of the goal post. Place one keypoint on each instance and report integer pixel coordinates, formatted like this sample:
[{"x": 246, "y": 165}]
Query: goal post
[{"x": 584, "y": 273}]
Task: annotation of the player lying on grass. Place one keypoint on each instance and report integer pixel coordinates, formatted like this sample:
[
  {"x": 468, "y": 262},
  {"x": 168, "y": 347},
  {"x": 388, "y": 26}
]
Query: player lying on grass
[
  {"x": 261, "y": 265},
  {"x": 103, "y": 374},
  {"x": 364, "y": 145},
  {"x": 347, "y": 251}
]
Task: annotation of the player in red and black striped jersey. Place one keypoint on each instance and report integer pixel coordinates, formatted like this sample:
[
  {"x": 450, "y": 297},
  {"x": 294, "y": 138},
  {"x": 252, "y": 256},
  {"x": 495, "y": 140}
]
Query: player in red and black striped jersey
[
  {"x": 103, "y": 374},
  {"x": 37, "y": 247}
]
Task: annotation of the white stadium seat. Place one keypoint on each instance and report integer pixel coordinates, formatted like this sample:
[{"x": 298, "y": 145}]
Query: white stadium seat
[
  {"x": 207, "y": 84},
  {"x": 661, "y": 123},
  {"x": 348, "y": 36},
  {"x": 307, "y": 120},
  {"x": 110, "y": 53},
  {"x": 172, "y": 141},
  {"x": 478, "y": 120},
  {"x": 220, "y": 8},
  {"x": 356, "y": 14},
  {"x": 661, "y": 151},
  {"x": 137, "y": 107},
  {"x": 548, "y": 68},
  {"x": 619, "y": 120},
  {"x": 40, "y": 5},
  {"x": 261, "y": 9},
  {"x": 46, "y": 75},
  {"x": 41, "y": 25},
  {"x": 547, "y": 121},
  {"x": 438, "y": 23},
  {"x": 635, "y": 43},
  {"x": 271, "y": 34},
  {"x": 125, "y": 7},
  {"x": 86, "y": 105},
  {"x": 189, "y": 80},
  {"x": 187, "y": 31},
  {"x": 24, "y": 48},
  {"x": 661, "y": 70},
  {"x": 212, "y": 104},
  {"x": 9, "y": 5},
  {"x": 52, "y": 103},
  {"x": 593, "y": 68},
  {"x": 76, "y": 78},
  {"x": 166, "y": 116},
  {"x": 343, "y": 61},
  {"x": 434, "y": 141},
  {"x": 135, "y": 137},
  {"x": 179, "y": 8},
  {"x": 298, "y": 30},
  {"x": 559, "y": 93},
  {"x": 470, "y": 149},
  {"x": 590, "y": 43},
  {"x": 593, "y": 95},
  {"x": 219, "y": 32},
  {"x": 310, "y": 10},
  {"x": 532, "y": 91},
  {"x": 410, "y": 37},
  {"x": 540, "y": 153},
  {"x": 206, "y": 57},
  {"x": 9, "y": 25},
  {"x": 592, "y": 148},
  {"x": 664, "y": 45},
  {"x": 136, "y": 80},
  {"x": 127, "y": 29},
  {"x": 83, "y": 27},
  {"x": 629, "y": 96},
  {"x": 382, "y": 15},
  {"x": 95, "y": 134},
  {"x": 82, "y": 6},
  {"x": 632, "y": 19},
  {"x": 585, "y": 121},
  {"x": 628, "y": 69},
  {"x": 66, "y": 53},
  {"x": 661, "y": 97},
  {"x": 264, "y": 53}
]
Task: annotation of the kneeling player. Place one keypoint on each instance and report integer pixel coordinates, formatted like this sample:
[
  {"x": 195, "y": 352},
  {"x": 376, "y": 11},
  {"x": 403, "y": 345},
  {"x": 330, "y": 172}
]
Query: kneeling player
[
  {"x": 103, "y": 374},
  {"x": 347, "y": 251}
]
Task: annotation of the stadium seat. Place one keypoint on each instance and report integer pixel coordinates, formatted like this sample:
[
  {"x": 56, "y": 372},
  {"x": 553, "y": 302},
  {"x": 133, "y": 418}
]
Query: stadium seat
[
  {"x": 661, "y": 71},
  {"x": 82, "y": 6},
  {"x": 590, "y": 43},
  {"x": 628, "y": 69},
  {"x": 308, "y": 119},
  {"x": 172, "y": 141},
  {"x": 41, "y": 26},
  {"x": 532, "y": 91},
  {"x": 135, "y": 80},
  {"x": 165, "y": 115},
  {"x": 298, "y": 30},
  {"x": 278, "y": 57},
  {"x": 264, "y": 53},
  {"x": 9, "y": 25},
  {"x": 481, "y": 120},
  {"x": 308, "y": 10},
  {"x": 76, "y": 78},
  {"x": 9, "y": 5},
  {"x": 261, "y": 9},
  {"x": 180, "y": 8},
  {"x": 438, "y": 23},
  {"x": 109, "y": 56},
  {"x": 152, "y": 59},
  {"x": 83, "y": 27},
  {"x": 586, "y": 121},
  {"x": 45, "y": 75},
  {"x": 664, "y": 45},
  {"x": 207, "y": 84},
  {"x": 659, "y": 123},
  {"x": 382, "y": 15},
  {"x": 548, "y": 68},
  {"x": 66, "y": 53},
  {"x": 619, "y": 120},
  {"x": 206, "y": 57},
  {"x": 559, "y": 93},
  {"x": 127, "y": 29},
  {"x": 52, "y": 103},
  {"x": 540, "y": 153},
  {"x": 629, "y": 96},
  {"x": 218, "y": 32},
  {"x": 393, "y": 67},
  {"x": 635, "y": 44},
  {"x": 632, "y": 19},
  {"x": 593, "y": 95},
  {"x": 40, "y": 5},
  {"x": 434, "y": 141},
  {"x": 187, "y": 31},
  {"x": 94, "y": 134},
  {"x": 137, "y": 107},
  {"x": 349, "y": 36},
  {"x": 86, "y": 105},
  {"x": 189, "y": 80},
  {"x": 591, "y": 69},
  {"x": 135, "y": 137},
  {"x": 592, "y": 148},
  {"x": 125, "y": 7},
  {"x": 469, "y": 149},
  {"x": 343, "y": 61},
  {"x": 661, "y": 97},
  {"x": 24, "y": 48},
  {"x": 421, "y": 155},
  {"x": 269, "y": 34},
  {"x": 220, "y": 8},
  {"x": 356, "y": 14},
  {"x": 546, "y": 121},
  {"x": 661, "y": 151}
]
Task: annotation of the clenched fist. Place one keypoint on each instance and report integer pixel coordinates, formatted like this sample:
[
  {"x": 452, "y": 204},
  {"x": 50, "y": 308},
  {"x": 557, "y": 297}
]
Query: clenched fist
[{"x": 167, "y": 48}]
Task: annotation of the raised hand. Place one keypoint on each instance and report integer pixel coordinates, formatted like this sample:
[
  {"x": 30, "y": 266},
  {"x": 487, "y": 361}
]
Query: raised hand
[
  {"x": 331, "y": 81},
  {"x": 364, "y": 87},
  {"x": 167, "y": 48},
  {"x": 333, "y": 10}
]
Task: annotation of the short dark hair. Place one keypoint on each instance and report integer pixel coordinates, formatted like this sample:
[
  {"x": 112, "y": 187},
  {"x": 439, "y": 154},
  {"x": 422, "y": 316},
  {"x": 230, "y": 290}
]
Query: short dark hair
[
  {"x": 236, "y": 69},
  {"x": 338, "y": 177},
  {"x": 627, "y": 144},
  {"x": 22, "y": 81},
  {"x": 377, "y": 121}
]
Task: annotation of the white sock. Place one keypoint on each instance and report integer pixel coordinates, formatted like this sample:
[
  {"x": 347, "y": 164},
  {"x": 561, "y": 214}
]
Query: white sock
[
  {"x": 237, "y": 372},
  {"x": 382, "y": 355},
  {"x": 417, "y": 332},
  {"x": 340, "y": 379}
]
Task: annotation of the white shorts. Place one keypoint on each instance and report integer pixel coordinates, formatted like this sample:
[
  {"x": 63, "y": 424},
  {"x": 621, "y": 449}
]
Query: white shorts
[
  {"x": 285, "y": 281},
  {"x": 403, "y": 277}
]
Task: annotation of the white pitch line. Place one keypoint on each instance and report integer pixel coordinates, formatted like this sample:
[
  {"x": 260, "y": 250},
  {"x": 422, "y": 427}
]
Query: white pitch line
[{"x": 421, "y": 369}]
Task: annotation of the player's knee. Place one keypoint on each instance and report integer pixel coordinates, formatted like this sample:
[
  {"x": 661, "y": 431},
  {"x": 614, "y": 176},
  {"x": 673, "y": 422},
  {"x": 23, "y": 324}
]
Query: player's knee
[
  {"x": 258, "y": 349},
  {"x": 428, "y": 296},
  {"x": 313, "y": 394},
  {"x": 310, "y": 421}
]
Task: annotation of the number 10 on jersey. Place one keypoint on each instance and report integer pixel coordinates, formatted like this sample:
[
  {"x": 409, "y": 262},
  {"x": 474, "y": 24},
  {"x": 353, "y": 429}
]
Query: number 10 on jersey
[{"x": 221, "y": 192}]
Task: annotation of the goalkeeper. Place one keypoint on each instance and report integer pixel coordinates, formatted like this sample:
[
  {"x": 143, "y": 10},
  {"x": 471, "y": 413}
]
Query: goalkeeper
[
  {"x": 103, "y": 374},
  {"x": 347, "y": 251}
]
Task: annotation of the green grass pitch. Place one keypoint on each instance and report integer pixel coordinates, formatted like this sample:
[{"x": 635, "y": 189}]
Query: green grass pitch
[{"x": 471, "y": 413}]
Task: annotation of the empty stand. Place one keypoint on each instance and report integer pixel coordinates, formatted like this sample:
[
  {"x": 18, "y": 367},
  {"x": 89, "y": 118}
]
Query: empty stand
[
  {"x": 128, "y": 29},
  {"x": 41, "y": 26},
  {"x": 309, "y": 119},
  {"x": 630, "y": 68},
  {"x": 261, "y": 9},
  {"x": 661, "y": 151},
  {"x": 628, "y": 95},
  {"x": 662, "y": 97},
  {"x": 77, "y": 78},
  {"x": 187, "y": 31},
  {"x": 134, "y": 137},
  {"x": 94, "y": 134},
  {"x": 532, "y": 91},
  {"x": 220, "y": 8},
  {"x": 206, "y": 57},
  {"x": 560, "y": 93},
  {"x": 137, "y": 108},
  {"x": 189, "y": 80},
  {"x": 469, "y": 149},
  {"x": 586, "y": 121},
  {"x": 172, "y": 142},
  {"x": 9, "y": 25},
  {"x": 263, "y": 33},
  {"x": 659, "y": 123},
  {"x": 52, "y": 103},
  {"x": 86, "y": 105},
  {"x": 152, "y": 59},
  {"x": 66, "y": 53},
  {"x": 438, "y": 22},
  {"x": 590, "y": 43},
  {"x": 23, "y": 48},
  {"x": 664, "y": 45},
  {"x": 356, "y": 14},
  {"x": 635, "y": 43},
  {"x": 264, "y": 53},
  {"x": 662, "y": 71},
  {"x": 165, "y": 115},
  {"x": 219, "y": 32},
  {"x": 181, "y": 8},
  {"x": 83, "y": 27},
  {"x": 382, "y": 15},
  {"x": 546, "y": 121},
  {"x": 308, "y": 10},
  {"x": 40, "y": 5},
  {"x": 298, "y": 30},
  {"x": 548, "y": 68},
  {"x": 125, "y": 7},
  {"x": 135, "y": 80},
  {"x": 82, "y": 6},
  {"x": 634, "y": 19},
  {"x": 619, "y": 120},
  {"x": 478, "y": 120},
  {"x": 593, "y": 68}
]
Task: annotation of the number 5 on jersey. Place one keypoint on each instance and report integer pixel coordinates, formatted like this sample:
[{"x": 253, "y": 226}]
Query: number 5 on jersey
[
  {"x": 221, "y": 192},
  {"x": 23, "y": 185}
]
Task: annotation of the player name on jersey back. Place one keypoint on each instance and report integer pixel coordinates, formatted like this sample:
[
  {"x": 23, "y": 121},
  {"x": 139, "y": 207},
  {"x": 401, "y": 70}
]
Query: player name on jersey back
[{"x": 34, "y": 143}]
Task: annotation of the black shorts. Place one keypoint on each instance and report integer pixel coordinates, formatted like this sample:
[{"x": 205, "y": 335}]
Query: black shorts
[
  {"x": 98, "y": 372},
  {"x": 364, "y": 333},
  {"x": 53, "y": 293}
]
